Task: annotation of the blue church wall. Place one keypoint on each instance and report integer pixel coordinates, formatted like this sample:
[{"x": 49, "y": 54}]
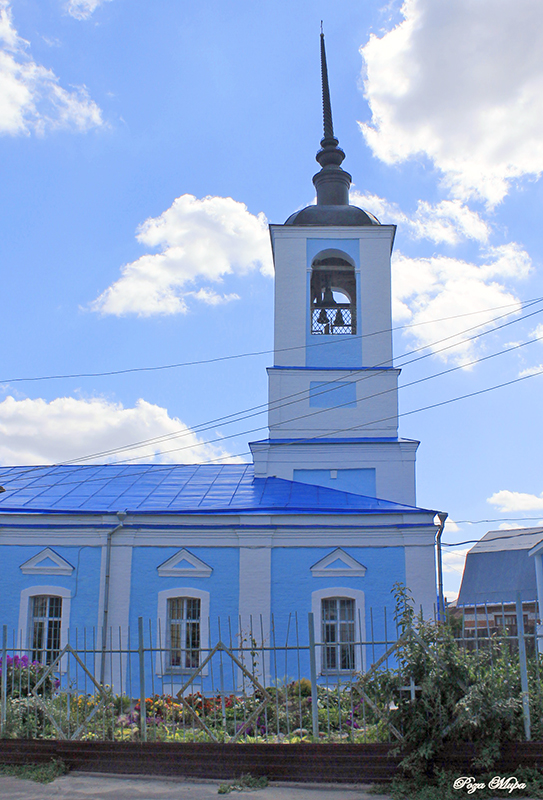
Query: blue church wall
[
  {"x": 222, "y": 584},
  {"x": 293, "y": 585},
  {"x": 349, "y": 246},
  {"x": 146, "y": 584},
  {"x": 357, "y": 481},
  {"x": 292, "y": 588},
  {"x": 83, "y": 584}
]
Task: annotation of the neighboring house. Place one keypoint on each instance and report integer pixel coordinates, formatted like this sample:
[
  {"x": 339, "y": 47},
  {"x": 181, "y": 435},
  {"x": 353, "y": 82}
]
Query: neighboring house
[
  {"x": 496, "y": 569},
  {"x": 324, "y": 521}
]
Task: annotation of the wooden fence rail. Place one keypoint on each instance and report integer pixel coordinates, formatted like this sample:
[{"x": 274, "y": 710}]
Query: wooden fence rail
[{"x": 324, "y": 763}]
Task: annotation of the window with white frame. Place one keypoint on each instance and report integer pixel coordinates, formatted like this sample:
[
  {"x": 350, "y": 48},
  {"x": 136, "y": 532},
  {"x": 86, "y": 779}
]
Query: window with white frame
[
  {"x": 45, "y": 627},
  {"x": 338, "y": 634},
  {"x": 182, "y": 630},
  {"x": 184, "y": 620},
  {"x": 340, "y": 630}
]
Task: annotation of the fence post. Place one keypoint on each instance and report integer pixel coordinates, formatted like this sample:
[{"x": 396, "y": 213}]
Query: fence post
[
  {"x": 4, "y": 689},
  {"x": 313, "y": 673},
  {"x": 523, "y": 669},
  {"x": 143, "y": 704}
]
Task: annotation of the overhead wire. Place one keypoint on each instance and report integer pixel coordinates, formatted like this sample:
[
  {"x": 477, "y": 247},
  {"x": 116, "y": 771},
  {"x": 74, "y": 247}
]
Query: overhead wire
[
  {"x": 128, "y": 447},
  {"x": 240, "y": 416},
  {"x": 217, "y": 359},
  {"x": 320, "y": 410},
  {"x": 315, "y": 438}
]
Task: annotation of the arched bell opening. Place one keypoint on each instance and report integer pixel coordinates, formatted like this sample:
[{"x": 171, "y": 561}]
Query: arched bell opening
[{"x": 333, "y": 294}]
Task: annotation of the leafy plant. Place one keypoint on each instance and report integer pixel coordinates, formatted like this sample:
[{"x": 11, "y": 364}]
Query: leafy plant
[
  {"x": 22, "y": 676},
  {"x": 461, "y": 696},
  {"x": 41, "y": 773},
  {"x": 245, "y": 782}
]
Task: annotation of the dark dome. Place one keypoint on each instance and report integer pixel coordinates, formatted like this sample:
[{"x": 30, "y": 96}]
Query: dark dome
[{"x": 332, "y": 215}]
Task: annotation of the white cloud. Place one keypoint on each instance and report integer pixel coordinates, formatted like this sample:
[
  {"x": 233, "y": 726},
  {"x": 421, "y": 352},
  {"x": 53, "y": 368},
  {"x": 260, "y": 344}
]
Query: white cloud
[
  {"x": 31, "y": 98},
  {"x": 447, "y": 222},
  {"x": 34, "y": 431},
  {"x": 516, "y": 501},
  {"x": 454, "y": 560},
  {"x": 535, "y": 370},
  {"x": 461, "y": 83},
  {"x": 434, "y": 290},
  {"x": 82, "y": 9},
  {"x": 200, "y": 242}
]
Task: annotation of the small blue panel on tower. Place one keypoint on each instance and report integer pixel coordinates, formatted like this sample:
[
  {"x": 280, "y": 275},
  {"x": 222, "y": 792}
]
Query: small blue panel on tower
[
  {"x": 355, "y": 481},
  {"x": 332, "y": 394}
]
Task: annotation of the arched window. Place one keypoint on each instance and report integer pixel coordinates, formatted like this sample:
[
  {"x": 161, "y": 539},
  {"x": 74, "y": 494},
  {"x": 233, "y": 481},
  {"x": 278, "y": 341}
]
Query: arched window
[
  {"x": 338, "y": 634},
  {"x": 333, "y": 294},
  {"x": 338, "y": 615},
  {"x": 183, "y": 630},
  {"x": 183, "y": 633},
  {"x": 46, "y": 611},
  {"x": 44, "y": 618}
]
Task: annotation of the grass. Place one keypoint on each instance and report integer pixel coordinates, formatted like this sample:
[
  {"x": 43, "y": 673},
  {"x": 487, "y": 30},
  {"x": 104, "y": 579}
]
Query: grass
[
  {"x": 244, "y": 782},
  {"x": 41, "y": 773}
]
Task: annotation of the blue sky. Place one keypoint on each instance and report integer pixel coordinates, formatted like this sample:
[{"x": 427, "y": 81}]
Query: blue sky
[{"x": 146, "y": 147}]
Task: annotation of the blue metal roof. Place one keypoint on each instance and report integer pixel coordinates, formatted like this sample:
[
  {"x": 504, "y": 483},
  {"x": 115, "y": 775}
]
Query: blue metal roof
[
  {"x": 497, "y": 577},
  {"x": 162, "y": 488},
  {"x": 499, "y": 566}
]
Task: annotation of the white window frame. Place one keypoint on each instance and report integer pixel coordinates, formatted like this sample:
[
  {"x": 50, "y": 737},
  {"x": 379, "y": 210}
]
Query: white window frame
[
  {"x": 359, "y": 625},
  {"x": 25, "y": 617},
  {"x": 161, "y": 667}
]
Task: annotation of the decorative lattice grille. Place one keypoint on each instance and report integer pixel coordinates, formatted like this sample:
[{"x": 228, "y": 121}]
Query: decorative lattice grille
[{"x": 338, "y": 319}]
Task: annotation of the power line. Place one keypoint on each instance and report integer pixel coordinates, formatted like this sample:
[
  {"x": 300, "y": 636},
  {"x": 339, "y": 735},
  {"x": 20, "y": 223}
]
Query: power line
[
  {"x": 316, "y": 438},
  {"x": 167, "y": 437},
  {"x": 497, "y": 519},
  {"x": 240, "y": 416},
  {"x": 373, "y": 422},
  {"x": 129, "y": 370},
  {"x": 494, "y": 538},
  {"x": 304, "y": 416}
]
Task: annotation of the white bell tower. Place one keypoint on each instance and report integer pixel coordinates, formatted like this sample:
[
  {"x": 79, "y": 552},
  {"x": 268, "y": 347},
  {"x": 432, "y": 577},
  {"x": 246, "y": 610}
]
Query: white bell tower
[{"x": 333, "y": 389}]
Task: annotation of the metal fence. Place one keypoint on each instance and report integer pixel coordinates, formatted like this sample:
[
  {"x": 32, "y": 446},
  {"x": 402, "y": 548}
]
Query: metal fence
[{"x": 255, "y": 684}]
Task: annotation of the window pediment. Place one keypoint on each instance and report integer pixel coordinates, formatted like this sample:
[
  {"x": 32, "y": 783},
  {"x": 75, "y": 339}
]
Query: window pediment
[
  {"x": 338, "y": 563},
  {"x": 47, "y": 562},
  {"x": 184, "y": 564}
]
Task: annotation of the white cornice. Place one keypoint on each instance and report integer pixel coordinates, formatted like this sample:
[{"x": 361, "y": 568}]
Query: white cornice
[{"x": 332, "y": 231}]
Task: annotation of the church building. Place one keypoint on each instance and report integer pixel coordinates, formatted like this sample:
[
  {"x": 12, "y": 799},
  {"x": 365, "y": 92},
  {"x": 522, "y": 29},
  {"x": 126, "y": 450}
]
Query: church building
[{"x": 324, "y": 520}]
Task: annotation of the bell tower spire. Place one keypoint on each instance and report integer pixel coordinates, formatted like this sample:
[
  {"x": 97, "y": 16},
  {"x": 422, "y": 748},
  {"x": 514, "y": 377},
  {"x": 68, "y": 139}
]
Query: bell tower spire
[
  {"x": 329, "y": 137},
  {"x": 332, "y": 182},
  {"x": 333, "y": 389}
]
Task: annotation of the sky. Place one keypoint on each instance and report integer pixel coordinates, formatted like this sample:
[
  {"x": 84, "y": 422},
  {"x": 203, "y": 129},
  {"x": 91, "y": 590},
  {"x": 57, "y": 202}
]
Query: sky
[{"x": 144, "y": 150}]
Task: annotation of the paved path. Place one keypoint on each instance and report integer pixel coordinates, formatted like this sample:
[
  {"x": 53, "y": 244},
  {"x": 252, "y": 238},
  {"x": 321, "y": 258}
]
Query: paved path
[{"x": 80, "y": 786}]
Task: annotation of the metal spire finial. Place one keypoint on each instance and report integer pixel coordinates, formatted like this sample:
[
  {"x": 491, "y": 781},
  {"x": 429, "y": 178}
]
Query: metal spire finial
[
  {"x": 326, "y": 105},
  {"x": 332, "y": 183}
]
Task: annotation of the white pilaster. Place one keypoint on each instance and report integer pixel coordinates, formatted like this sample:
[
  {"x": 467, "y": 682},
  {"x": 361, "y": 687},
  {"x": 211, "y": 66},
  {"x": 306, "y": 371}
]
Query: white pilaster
[
  {"x": 255, "y": 601},
  {"x": 420, "y": 572}
]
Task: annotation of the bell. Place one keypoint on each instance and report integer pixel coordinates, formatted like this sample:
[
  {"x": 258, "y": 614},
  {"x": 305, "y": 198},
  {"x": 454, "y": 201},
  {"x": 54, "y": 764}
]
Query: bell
[
  {"x": 339, "y": 318},
  {"x": 322, "y": 319},
  {"x": 328, "y": 299}
]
